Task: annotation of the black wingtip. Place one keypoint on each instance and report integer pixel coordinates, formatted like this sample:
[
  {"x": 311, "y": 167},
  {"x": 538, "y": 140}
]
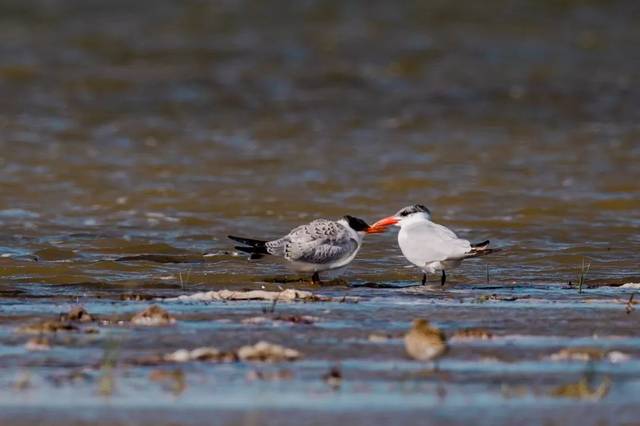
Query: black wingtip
[
  {"x": 255, "y": 252},
  {"x": 481, "y": 245}
]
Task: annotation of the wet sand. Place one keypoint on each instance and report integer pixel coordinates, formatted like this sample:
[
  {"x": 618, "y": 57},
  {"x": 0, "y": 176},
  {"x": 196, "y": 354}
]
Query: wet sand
[
  {"x": 511, "y": 371},
  {"x": 135, "y": 137}
]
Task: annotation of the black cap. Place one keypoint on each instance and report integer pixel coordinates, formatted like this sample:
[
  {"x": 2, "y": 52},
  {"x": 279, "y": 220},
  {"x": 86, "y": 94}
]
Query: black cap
[
  {"x": 416, "y": 208},
  {"x": 356, "y": 224}
]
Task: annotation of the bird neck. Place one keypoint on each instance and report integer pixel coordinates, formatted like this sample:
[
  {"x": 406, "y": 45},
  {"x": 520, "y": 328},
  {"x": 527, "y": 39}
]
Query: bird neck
[{"x": 355, "y": 234}]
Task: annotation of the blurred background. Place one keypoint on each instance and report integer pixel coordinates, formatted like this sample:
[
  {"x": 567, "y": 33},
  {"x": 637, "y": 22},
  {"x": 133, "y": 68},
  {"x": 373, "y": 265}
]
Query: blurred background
[{"x": 162, "y": 126}]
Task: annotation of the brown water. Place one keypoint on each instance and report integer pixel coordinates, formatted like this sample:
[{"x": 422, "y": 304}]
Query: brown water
[{"x": 157, "y": 128}]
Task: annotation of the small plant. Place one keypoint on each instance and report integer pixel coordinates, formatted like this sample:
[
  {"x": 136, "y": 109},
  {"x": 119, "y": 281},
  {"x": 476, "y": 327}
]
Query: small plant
[
  {"x": 629, "y": 307},
  {"x": 582, "y": 274},
  {"x": 271, "y": 309},
  {"x": 185, "y": 281},
  {"x": 106, "y": 383},
  {"x": 23, "y": 382}
]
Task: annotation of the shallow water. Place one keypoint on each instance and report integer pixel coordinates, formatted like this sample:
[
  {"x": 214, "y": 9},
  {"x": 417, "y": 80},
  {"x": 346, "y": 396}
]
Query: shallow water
[
  {"x": 157, "y": 128},
  {"x": 511, "y": 374}
]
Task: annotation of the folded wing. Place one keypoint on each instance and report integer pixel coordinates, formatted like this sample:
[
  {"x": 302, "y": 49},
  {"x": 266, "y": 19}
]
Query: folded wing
[
  {"x": 426, "y": 242},
  {"x": 319, "y": 242}
]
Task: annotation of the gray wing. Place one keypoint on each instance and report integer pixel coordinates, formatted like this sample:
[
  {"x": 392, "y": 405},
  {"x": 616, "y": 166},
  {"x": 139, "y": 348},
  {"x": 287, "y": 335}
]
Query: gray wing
[
  {"x": 276, "y": 247},
  {"x": 323, "y": 252},
  {"x": 321, "y": 241},
  {"x": 318, "y": 229}
]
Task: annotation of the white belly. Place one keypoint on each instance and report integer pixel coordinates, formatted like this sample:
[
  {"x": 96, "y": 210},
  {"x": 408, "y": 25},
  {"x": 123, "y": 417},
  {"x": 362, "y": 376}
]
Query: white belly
[
  {"x": 413, "y": 251},
  {"x": 424, "y": 246},
  {"x": 319, "y": 267},
  {"x": 446, "y": 265}
]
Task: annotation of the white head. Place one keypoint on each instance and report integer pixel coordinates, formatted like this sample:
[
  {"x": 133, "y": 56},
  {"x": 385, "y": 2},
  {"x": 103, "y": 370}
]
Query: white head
[{"x": 402, "y": 217}]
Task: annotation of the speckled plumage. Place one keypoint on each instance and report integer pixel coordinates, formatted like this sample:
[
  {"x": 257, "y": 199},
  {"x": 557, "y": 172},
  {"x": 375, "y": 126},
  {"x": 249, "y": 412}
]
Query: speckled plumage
[
  {"x": 320, "y": 245},
  {"x": 321, "y": 241}
]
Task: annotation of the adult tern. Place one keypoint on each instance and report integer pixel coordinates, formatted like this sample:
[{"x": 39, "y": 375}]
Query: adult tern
[{"x": 428, "y": 245}]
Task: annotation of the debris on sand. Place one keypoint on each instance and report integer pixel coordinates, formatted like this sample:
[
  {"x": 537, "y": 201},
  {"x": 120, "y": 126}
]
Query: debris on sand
[
  {"x": 494, "y": 298},
  {"x": 424, "y": 342},
  {"x": 630, "y": 285},
  {"x": 288, "y": 295},
  {"x": 267, "y": 352},
  {"x": 379, "y": 337},
  {"x": 280, "y": 296},
  {"x": 201, "y": 354},
  {"x": 472, "y": 334},
  {"x": 50, "y": 326},
  {"x": 136, "y": 297},
  {"x": 617, "y": 356},
  {"x": 292, "y": 319},
  {"x": 261, "y": 351},
  {"x": 154, "y": 315},
  {"x": 256, "y": 320},
  {"x": 38, "y": 344},
  {"x": 582, "y": 390},
  {"x": 578, "y": 354},
  {"x": 78, "y": 313},
  {"x": 588, "y": 354}
]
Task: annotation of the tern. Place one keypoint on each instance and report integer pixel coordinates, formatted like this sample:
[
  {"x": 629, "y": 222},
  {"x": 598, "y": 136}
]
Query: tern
[
  {"x": 428, "y": 245},
  {"x": 318, "y": 246}
]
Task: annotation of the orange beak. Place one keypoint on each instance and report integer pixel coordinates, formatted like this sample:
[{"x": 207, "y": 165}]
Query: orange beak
[{"x": 382, "y": 225}]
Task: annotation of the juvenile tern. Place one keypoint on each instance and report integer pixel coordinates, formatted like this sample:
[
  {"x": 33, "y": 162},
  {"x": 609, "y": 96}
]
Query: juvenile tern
[
  {"x": 428, "y": 245},
  {"x": 318, "y": 246}
]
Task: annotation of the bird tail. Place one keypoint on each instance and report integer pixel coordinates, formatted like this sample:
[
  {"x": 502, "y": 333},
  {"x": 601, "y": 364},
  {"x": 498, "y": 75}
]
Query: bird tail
[
  {"x": 257, "y": 248},
  {"x": 481, "y": 249}
]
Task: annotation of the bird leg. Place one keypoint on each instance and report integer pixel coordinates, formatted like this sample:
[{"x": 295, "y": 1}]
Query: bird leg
[
  {"x": 424, "y": 278},
  {"x": 315, "y": 278},
  {"x": 443, "y": 279}
]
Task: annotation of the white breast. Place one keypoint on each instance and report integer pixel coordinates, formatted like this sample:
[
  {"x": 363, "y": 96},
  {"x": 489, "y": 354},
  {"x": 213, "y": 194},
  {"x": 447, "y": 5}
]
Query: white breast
[{"x": 423, "y": 242}]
